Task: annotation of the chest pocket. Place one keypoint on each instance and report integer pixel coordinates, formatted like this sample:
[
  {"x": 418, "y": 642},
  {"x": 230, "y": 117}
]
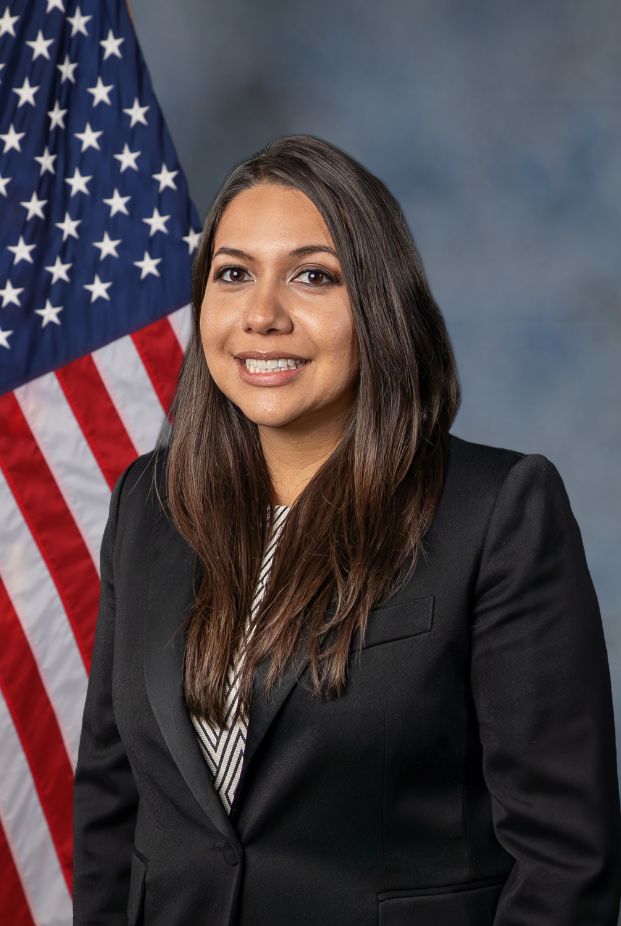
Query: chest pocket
[{"x": 397, "y": 620}]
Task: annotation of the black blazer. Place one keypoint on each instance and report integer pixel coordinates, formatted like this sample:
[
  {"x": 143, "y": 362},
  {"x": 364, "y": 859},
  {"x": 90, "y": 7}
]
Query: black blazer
[{"x": 466, "y": 778}]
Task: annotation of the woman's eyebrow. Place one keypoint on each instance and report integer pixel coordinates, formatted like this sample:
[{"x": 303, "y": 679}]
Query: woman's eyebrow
[{"x": 297, "y": 252}]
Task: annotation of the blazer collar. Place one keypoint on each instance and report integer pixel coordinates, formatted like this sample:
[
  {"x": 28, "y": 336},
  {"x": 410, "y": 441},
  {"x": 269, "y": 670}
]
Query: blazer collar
[{"x": 173, "y": 576}]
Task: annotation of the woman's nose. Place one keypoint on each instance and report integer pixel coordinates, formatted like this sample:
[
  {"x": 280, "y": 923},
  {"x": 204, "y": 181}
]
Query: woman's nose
[{"x": 266, "y": 309}]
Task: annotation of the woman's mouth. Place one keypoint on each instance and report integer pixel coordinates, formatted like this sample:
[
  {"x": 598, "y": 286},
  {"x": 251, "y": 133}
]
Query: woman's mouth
[{"x": 270, "y": 372}]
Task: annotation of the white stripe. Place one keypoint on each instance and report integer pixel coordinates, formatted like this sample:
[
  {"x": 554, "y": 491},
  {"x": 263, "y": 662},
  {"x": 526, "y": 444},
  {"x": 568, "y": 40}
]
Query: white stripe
[
  {"x": 69, "y": 457},
  {"x": 27, "y": 833},
  {"x": 44, "y": 621},
  {"x": 131, "y": 391},
  {"x": 181, "y": 322}
]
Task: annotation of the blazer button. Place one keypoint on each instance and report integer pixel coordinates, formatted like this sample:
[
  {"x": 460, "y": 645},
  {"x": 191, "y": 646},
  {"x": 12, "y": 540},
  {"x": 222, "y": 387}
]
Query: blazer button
[{"x": 230, "y": 855}]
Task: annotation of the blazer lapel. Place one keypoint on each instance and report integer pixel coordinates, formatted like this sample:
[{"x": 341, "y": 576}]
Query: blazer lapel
[
  {"x": 263, "y": 711},
  {"x": 171, "y": 591}
]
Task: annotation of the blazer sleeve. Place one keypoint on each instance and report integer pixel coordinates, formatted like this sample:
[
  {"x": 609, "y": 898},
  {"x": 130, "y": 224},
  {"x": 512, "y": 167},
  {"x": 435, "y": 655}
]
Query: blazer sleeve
[
  {"x": 541, "y": 687},
  {"x": 105, "y": 798}
]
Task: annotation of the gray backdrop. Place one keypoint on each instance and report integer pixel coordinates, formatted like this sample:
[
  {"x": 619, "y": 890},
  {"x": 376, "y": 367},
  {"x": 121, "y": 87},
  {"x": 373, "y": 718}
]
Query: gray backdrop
[{"x": 497, "y": 126}]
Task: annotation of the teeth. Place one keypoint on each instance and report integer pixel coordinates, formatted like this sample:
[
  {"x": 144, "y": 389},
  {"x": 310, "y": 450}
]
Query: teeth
[{"x": 262, "y": 366}]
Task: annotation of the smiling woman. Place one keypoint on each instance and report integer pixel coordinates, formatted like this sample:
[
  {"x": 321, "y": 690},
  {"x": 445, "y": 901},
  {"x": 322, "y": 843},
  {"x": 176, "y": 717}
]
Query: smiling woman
[{"x": 349, "y": 668}]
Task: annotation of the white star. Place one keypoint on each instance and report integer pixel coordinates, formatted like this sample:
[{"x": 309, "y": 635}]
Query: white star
[
  {"x": 166, "y": 178},
  {"x": 4, "y": 337},
  {"x": 34, "y": 206},
  {"x": 111, "y": 45},
  {"x": 10, "y": 293},
  {"x": 39, "y": 46},
  {"x": 57, "y": 116},
  {"x": 127, "y": 158},
  {"x": 25, "y": 93},
  {"x": 46, "y": 160},
  {"x": 88, "y": 137},
  {"x": 1, "y": 66},
  {"x": 55, "y": 5},
  {"x": 78, "y": 22},
  {"x": 68, "y": 226},
  {"x": 136, "y": 113},
  {"x": 192, "y": 239},
  {"x": 22, "y": 250},
  {"x": 3, "y": 183},
  {"x": 157, "y": 223},
  {"x": 11, "y": 139},
  {"x": 98, "y": 289},
  {"x": 101, "y": 92},
  {"x": 78, "y": 183},
  {"x": 117, "y": 203},
  {"x": 66, "y": 69},
  {"x": 6, "y": 23},
  {"x": 148, "y": 265},
  {"x": 59, "y": 270},
  {"x": 107, "y": 246},
  {"x": 49, "y": 313}
]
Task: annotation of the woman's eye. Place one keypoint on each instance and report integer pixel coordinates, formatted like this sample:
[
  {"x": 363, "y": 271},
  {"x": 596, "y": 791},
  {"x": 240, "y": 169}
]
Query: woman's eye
[
  {"x": 220, "y": 274},
  {"x": 322, "y": 273}
]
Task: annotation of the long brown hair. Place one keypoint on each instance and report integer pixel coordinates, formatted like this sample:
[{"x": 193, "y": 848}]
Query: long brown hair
[{"x": 354, "y": 533}]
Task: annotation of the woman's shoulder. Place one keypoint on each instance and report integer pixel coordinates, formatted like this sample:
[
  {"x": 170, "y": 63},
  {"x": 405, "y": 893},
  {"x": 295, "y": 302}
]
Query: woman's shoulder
[
  {"x": 476, "y": 473},
  {"x": 142, "y": 484}
]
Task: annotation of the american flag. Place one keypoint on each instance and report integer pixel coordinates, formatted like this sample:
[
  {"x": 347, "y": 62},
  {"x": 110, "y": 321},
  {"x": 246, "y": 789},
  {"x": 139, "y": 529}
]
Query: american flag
[{"x": 97, "y": 232}]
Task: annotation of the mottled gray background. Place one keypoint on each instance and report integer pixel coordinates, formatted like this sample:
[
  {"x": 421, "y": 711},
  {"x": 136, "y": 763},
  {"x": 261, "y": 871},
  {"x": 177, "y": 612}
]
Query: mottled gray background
[{"x": 498, "y": 127}]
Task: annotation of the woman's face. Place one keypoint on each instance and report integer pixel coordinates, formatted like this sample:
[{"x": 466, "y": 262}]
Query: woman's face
[{"x": 271, "y": 300}]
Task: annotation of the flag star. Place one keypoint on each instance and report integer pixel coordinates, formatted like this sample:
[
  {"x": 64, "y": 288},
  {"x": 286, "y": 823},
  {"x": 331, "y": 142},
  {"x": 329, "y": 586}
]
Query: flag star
[
  {"x": 39, "y": 46},
  {"x": 6, "y": 23},
  {"x": 111, "y": 45},
  {"x": 192, "y": 239},
  {"x": 78, "y": 22},
  {"x": 136, "y": 113},
  {"x": 127, "y": 158},
  {"x": 22, "y": 250},
  {"x": 157, "y": 223},
  {"x": 68, "y": 226},
  {"x": 117, "y": 203},
  {"x": 148, "y": 265},
  {"x": 88, "y": 137},
  {"x": 11, "y": 139},
  {"x": 78, "y": 183},
  {"x": 25, "y": 93},
  {"x": 49, "y": 313},
  {"x": 59, "y": 270},
  {"x": 57, "y": 116},
  {"x": 166, "y": 178},
  {"x": 10, "y": 293},
  {"x": 55, "y": 5},
  {"x": 4, "y": 337},
  {"x": 66, "y": 69},
  {"x": 34, "y": 206},
  {"x": 3, "y": 183},
  {"x": 101, "y": 92},
  {"x": 99, "y": 290},
  {"x": 107, "y": 246},
  {"x": 46, "y": 160}
]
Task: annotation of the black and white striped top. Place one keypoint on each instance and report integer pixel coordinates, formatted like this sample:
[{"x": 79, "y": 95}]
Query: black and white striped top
[{"x": 223, "y": 749}]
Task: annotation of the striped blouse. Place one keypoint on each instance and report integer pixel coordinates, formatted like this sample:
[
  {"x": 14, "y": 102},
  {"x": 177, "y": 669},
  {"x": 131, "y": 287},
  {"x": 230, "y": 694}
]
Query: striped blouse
[{"x": 222, "y": 749}]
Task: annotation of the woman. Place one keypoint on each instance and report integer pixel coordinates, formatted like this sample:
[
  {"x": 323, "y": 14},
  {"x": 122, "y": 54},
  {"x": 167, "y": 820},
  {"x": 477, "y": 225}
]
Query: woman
[{"x": 349, "y": 668}]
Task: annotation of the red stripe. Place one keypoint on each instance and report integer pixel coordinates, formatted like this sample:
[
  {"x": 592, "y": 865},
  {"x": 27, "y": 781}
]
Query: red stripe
[
  {"x": 97, "y": 416},
  {"x": 38, "y": 731},
  {"x": 161, "y": 355},
  {"x": 14, "y": 907},
  {"x": 43, "y": 508}
]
